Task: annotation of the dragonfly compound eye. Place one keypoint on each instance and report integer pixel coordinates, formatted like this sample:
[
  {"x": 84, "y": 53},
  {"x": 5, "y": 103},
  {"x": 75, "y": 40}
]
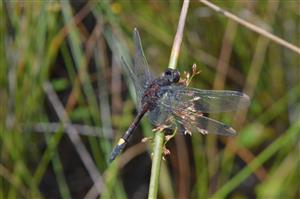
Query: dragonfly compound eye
[
  {"x": 168, "y": 72},
  {"x": 172, "y": 75}
]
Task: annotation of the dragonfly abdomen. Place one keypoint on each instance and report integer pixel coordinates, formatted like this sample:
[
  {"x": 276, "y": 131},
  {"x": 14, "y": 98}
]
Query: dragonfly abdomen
[{"x": 124, "y": 139}]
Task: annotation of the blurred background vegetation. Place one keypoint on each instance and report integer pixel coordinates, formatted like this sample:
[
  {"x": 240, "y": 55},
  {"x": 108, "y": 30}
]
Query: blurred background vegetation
[{"x": 65, "y": 99}]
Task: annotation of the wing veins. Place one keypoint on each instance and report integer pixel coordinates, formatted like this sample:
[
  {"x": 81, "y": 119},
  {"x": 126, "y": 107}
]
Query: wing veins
[{"x": 207, "y": 101}]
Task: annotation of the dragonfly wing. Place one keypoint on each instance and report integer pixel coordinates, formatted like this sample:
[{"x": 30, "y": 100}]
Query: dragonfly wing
[
  {"x": 189, "y": 123},
  {"x": 185, "y": 107},
  {"x": 140, "y": 68},
  {"x": 139, "y": 73},
  {"x": 135, "y": 81},
  {"x": 205, "y": 101},
  {"x": 158, "y": 115},
  {"x": 185, "y": 120}
]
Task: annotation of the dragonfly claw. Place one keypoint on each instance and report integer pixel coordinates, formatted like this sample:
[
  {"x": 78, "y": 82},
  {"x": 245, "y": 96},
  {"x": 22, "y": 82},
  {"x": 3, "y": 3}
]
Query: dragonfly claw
[
  {"x": 168, "y": 137},
  {"x": 166, "y": 151},
  {"x": 161, "y": 127},
  {"x": 146, "y": 139}
]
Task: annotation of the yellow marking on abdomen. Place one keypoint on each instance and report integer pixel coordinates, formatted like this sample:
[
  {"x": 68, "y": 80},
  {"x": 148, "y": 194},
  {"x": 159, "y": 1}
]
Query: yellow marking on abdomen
[{"x": 121, "y": 141}]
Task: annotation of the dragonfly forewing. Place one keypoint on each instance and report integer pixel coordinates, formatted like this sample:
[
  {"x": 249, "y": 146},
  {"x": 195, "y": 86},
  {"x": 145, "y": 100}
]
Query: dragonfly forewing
[
  {"x": 140, "y": 67},
  {"x": 136, "y": 83},
  {"x": 205, "y": 101},
  {"x": 186, "y": 107}
]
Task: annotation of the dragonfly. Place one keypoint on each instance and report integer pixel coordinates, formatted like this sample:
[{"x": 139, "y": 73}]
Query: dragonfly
[{"x": 169, "y": 103}]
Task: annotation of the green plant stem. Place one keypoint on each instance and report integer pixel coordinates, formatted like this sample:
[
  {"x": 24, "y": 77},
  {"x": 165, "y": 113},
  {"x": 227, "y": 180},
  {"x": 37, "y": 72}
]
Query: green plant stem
[
  {"x": 156, "y": 162},
  {"x": 159, "y": 136}
]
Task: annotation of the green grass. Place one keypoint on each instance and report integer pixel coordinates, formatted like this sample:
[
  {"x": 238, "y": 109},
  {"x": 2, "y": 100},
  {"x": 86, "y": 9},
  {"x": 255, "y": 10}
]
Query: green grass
[{"x": 78, "y": 48}]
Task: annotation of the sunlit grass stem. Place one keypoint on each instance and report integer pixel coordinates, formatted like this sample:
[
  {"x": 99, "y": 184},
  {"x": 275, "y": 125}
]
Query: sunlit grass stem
[{"x": 159, "y": 136}]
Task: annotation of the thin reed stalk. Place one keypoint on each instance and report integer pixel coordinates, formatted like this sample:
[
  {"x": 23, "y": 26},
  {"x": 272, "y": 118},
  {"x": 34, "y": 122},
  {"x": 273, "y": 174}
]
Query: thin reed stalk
[{"x": 159, "y": 136}]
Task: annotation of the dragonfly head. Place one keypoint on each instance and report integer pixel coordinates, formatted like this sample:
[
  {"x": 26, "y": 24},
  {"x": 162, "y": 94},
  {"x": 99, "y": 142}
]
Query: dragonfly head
[{"x": 172, "y": 75}]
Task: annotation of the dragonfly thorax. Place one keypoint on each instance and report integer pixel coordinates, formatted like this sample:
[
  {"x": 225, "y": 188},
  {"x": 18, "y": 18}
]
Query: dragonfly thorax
[{"x": 153, "y": 93}]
